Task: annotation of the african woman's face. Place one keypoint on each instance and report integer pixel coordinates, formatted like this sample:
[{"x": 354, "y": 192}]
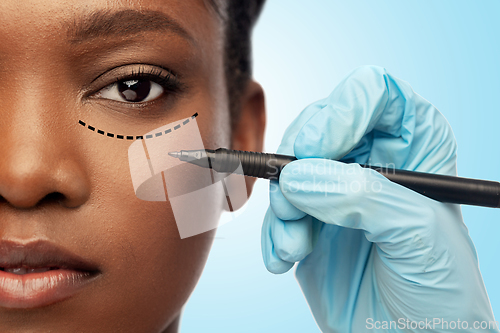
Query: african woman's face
[{"x": 119, "y": 263}]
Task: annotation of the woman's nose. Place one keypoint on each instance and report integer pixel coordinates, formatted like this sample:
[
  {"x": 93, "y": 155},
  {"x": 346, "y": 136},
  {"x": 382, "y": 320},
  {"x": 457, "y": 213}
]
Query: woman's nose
[{"x": 38, "y": 165}]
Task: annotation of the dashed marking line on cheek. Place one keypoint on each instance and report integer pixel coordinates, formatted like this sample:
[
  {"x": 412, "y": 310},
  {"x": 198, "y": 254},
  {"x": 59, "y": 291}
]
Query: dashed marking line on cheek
[{"x": 137, "y": 137}]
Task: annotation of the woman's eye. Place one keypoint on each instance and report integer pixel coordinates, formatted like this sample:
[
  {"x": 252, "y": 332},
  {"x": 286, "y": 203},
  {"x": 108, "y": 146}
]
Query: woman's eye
[{"x": 132, "y": 91}]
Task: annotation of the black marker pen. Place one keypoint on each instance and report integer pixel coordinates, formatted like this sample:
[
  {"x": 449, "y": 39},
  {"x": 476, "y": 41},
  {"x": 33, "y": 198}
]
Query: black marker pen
[{"x": 442, "y": 188}]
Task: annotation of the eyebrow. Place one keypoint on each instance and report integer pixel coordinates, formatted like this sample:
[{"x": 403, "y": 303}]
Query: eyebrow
[{"x": 122, "y": 23}]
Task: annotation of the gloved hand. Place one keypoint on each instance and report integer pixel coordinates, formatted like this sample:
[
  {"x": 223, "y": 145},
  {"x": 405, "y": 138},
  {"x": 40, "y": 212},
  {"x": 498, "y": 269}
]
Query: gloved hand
[{"x": 373, "y": 255}]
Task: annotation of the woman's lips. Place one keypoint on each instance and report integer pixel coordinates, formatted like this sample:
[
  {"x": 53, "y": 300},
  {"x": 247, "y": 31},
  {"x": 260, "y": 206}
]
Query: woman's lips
[{"x": 39, "y": 273}]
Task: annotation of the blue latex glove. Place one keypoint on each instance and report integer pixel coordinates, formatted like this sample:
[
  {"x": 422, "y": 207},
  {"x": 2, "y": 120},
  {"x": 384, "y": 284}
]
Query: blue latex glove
[{"x": 371, "y": 251}]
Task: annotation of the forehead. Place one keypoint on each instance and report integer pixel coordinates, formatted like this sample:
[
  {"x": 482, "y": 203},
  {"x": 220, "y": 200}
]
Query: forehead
[{"x": 28, "y": 20}]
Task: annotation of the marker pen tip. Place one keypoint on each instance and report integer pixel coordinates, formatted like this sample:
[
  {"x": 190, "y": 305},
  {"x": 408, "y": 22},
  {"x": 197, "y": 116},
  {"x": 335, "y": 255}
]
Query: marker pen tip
[{"x": 175, "y": 154}]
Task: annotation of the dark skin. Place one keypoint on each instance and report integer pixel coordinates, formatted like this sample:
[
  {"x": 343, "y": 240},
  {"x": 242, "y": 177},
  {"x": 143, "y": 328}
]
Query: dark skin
[{"x": 72, "y": 187}]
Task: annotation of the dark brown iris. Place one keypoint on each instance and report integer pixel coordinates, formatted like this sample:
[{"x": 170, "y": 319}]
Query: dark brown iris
[{"x": 134, "y": 90}]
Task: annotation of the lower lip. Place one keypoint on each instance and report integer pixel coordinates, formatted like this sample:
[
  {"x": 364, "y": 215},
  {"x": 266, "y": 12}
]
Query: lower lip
[{"x": 39, "y": 289}]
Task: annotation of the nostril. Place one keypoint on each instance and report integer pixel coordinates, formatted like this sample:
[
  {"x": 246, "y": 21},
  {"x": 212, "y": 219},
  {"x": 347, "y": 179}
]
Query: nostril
[{"x": 53, "y": 197}]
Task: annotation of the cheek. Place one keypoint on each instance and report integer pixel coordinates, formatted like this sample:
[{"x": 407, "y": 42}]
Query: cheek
[{"x": 147, "y": 269}]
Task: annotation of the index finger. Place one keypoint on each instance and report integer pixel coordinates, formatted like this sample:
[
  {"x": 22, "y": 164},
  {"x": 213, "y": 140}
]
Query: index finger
[{"x": 368, "y": 99}]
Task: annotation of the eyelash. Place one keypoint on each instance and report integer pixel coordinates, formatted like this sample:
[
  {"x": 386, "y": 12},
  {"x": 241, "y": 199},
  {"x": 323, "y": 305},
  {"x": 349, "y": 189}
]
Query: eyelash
[{"x": 168, "y": 81}]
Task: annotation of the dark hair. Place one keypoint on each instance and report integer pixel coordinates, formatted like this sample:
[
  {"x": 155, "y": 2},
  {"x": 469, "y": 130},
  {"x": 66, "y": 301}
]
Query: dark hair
[{"x": 239, "y": 17}]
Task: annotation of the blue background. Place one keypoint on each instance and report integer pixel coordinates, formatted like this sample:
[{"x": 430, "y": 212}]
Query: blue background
[{"x": 447, "y": 50}]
